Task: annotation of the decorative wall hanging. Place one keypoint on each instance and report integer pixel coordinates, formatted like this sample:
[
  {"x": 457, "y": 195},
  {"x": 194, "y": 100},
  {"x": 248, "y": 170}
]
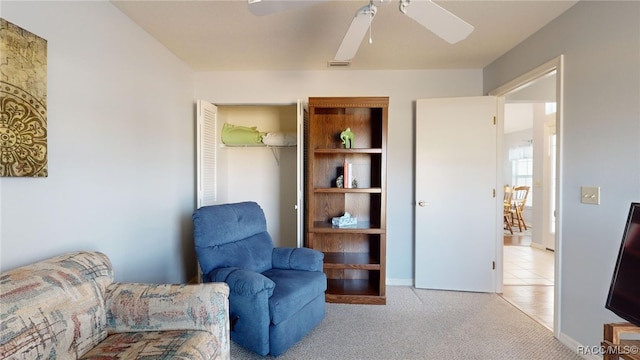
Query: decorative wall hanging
[{"x": 23, "y": 102}]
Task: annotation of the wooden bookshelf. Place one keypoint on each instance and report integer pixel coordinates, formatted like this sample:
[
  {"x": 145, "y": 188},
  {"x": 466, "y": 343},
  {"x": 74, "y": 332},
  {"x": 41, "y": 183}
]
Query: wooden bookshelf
[
  {"x": 614, "y": 347},
  {"x": 355, "y": 256}
]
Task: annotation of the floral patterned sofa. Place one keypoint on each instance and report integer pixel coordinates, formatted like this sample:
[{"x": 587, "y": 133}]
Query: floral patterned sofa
[{"x": 68, "y": 307}]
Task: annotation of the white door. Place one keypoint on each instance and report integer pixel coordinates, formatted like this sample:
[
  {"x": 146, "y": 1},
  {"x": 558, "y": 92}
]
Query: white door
[
  {"x": 303, "y": 113},
  {"x": 206, "y": 153},
  {"x": 206, "y": 158},
  {"x": 456, "y": 213}
]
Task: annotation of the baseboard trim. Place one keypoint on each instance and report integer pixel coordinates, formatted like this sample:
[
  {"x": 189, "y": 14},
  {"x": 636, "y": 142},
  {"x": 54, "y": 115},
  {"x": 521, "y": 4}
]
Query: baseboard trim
[
  {"x": 573, "y": 345},
  {"x": 538, "y": 246},
  {"x": 400, "y": 282}
]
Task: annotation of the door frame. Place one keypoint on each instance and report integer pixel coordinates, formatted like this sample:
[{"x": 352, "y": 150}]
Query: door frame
[{"x": 557, "y": 65}]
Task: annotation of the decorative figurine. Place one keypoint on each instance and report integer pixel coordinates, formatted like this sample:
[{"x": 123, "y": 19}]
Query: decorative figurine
[
  {"x": 340, "y": 181},
  {"x": 347, "y": 138}
]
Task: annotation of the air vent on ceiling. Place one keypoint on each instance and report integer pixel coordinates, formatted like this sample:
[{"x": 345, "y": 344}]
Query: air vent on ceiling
[{"x": 338, "y": 64}]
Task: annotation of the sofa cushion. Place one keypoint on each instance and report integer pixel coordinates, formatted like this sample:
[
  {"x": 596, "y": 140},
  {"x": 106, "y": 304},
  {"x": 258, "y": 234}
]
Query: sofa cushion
[
  {"x": 54, "y": 308},
  {"x": 172, "y": 344},
  {"x": 294, "y": 289}
]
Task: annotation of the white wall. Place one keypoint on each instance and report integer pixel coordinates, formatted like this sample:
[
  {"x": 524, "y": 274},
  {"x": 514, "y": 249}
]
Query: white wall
[
  {"x": 121, "y": 148},
  {"x": 403, "y": 88},
  {"x": 600, "y": 146}
]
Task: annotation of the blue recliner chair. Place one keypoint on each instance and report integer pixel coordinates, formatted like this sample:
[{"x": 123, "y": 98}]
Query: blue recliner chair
[{"x": 276, "y": 294}]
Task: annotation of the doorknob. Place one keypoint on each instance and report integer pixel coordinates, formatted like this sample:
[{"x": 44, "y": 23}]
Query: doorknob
[{"x": 422, "y": 203}]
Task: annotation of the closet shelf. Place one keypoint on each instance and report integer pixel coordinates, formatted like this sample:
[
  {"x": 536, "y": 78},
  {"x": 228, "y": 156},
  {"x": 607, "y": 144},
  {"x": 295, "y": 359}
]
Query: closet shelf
[{"x": 273, "y": 148}]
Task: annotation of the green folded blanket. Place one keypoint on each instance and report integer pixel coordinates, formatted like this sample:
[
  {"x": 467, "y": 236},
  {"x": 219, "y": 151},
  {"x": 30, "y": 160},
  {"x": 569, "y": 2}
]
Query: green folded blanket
[{"x": 241, "y": 135}]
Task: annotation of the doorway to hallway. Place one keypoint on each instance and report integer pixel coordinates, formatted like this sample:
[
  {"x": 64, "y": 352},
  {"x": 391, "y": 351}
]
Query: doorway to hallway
[{"x": 530, "y": 269}]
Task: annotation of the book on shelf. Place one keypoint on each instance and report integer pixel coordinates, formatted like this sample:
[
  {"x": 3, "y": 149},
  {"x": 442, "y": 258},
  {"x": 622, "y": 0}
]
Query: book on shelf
[{"x": 347, "y": 174}]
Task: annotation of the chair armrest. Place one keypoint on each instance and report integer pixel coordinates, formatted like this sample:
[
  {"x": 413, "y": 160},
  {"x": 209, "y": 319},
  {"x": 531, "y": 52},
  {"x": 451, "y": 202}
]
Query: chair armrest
[
  {"x": 145, "y": 307},
  {"x": 242, "y": 282},
  {"x": 297, "y": 259}
]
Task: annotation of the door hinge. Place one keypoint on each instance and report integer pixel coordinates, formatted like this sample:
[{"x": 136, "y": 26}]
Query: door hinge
[
  {"x": 493, "y": 265},
  {"x": 494, "y": 193}
]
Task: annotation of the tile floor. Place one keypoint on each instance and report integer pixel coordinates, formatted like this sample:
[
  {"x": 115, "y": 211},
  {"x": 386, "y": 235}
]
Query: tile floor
[
  {"x": 528, "y": 281},
  {"x": 525, "y": 265}
]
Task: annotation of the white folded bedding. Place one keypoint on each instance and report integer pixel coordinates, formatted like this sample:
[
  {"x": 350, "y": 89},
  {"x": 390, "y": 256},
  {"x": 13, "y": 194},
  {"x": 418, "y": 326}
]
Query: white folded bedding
[{"x": 280, "y": 139}]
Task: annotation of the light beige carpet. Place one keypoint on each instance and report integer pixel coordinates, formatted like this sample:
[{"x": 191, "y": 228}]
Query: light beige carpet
[{"x": 426, "y": 324}]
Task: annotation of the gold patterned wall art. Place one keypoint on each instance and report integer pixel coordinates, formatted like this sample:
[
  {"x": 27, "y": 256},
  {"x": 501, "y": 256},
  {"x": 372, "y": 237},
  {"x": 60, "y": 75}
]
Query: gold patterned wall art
[{"x": 23, "y": 102}]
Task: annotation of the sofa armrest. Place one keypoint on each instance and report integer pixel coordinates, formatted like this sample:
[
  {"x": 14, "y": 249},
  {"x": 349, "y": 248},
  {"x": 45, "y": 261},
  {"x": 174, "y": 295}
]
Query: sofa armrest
[
  {"x": 242, "y": 282},
  {"x": 297, "y": 259},
  {"x": 145, "y": 307}
]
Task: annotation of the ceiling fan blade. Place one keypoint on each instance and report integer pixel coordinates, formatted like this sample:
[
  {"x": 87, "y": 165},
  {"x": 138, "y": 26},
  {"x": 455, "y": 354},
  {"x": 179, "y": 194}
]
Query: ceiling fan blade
[
  {"x": 268, "y": 7},
  {"x": 358, "y": 28},
  {"x": 437, "y": 19}
]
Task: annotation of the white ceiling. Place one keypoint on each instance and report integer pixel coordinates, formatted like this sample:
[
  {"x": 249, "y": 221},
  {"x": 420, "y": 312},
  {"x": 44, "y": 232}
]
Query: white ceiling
[{"x": 223, "y": 35}]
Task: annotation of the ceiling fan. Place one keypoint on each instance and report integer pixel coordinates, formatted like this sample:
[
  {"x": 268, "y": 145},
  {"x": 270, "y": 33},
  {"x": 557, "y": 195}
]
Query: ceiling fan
[{"x": 428, "y": 14}]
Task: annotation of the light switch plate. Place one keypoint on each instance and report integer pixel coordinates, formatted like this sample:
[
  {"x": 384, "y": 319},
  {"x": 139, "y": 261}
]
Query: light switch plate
[{"x": 590, "y": 195}]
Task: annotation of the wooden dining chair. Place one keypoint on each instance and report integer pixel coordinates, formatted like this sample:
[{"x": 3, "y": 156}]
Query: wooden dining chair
[
  {"x": 519, "y": 200},
  {"x": 508, "y": 218}
]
